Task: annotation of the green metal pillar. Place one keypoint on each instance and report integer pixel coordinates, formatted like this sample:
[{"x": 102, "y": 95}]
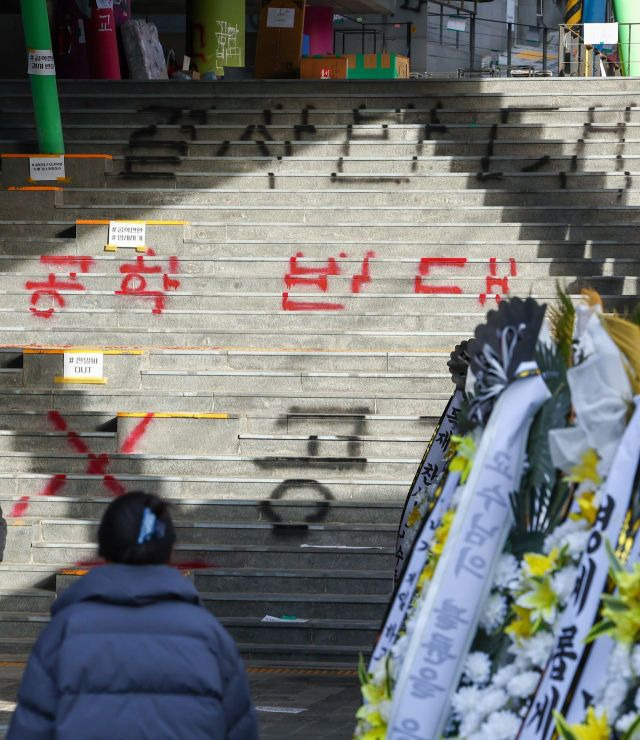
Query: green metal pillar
[{"x": 44, "y": 87}]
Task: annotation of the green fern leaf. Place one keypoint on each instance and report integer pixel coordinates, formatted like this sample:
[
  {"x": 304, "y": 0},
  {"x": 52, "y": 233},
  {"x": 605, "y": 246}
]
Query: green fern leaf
[{"x": 562, "y": 318}]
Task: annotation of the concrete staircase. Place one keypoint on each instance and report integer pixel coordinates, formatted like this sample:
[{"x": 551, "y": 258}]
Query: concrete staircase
[{"x": 318, "y": 250}]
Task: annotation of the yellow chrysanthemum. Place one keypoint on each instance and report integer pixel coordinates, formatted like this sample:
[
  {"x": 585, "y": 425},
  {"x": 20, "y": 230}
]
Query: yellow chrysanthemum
[
  {"x": 588, "y": 509},
  {"x": 442, "y": 533},
  {"x": 426, "y": 575},
  {"x": 628, "y": 581},
  {"x": 595, "y": 728},
  {"x": 376, "y": 733},
  {"x": 414, "y": 517},
  {"x": 521, "y": 627},
  {"x": 464, "y": 452},
  {"x": 541, "y": 600},
  {"x": 538, "y": 565},
  {"x": 374, "y": 694},
  {"x": 586, "y": 469}
]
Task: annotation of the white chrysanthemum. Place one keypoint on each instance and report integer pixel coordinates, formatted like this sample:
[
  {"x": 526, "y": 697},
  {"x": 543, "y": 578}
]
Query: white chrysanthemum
[
  {"x": 384, "y": 708},
  {"x": 493, "y": 699},
  {"x": 398, "y": 653},
  {"x": 501, "y": 726},
  {"x": 465, "y": 701},
  {"x": 495, "y": 610},
  {"x": 504, "y": 675},
  {"x": 576, "y": 543},
  {"x": 507, "y": 572},
  {"x": 635, "y": 660},
  {"x": 563, "y": 582},
  {"x": 625, "y": 722},
  {"x": 534, "y": 651},
  {"x": 523, "y": 685},
  {"x": 614, "y": 694},
  {"x": 620, "y": 662},
  {"x": 477, "y": 668},
  {"x": 379, "y": 676},
  {"x": 457, "y": 496},
  {"x": 470, "y": 724},
  {"x": 559, "y": 537}
]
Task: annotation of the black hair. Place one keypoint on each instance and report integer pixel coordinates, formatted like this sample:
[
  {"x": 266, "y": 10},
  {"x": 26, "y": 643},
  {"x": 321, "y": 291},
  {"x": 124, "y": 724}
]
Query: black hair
[{"x": 121, "y": 528}]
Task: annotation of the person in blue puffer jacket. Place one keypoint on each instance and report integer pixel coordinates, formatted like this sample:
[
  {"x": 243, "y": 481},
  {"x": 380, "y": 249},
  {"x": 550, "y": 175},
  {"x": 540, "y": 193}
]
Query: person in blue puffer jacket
[{"x": 130, "y": 652}]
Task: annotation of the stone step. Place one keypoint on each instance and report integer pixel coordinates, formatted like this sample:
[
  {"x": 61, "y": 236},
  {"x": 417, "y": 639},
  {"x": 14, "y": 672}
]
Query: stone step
[
  {"x": 46, "y": 441},
  {"x": 182, "y": 145},
  {"x": 68, "y": 401},
  {"x": 26, "y": 600},
  {"x": 193, "y": 311},
  {"x": 333, "y": 444},
  {"x": 242, "y": 250},
  {"x": 297, "y": 582},
  {"x": 282, "y": 381},
  {"x": 250, "y": 556},
  {"x": 300, "y": 507},
  {"x": 25, "y": 577},
  {"x": 331, "y": 656},
  {"x": 257, "y": 118},
  {"x": 347, "y": 90},
  {"x": 306, "y": 604},
  {"x": 302, "y": 606},
  {"x": 377, "y": 277},
  {"x": 314, "y": 632},
  {"x": 194, "y": 534},
  {"x": 334, "y": 196},
  {"x": 34, "y": 421},
  {"x": 297, "y": 216},
  {"x": 194, "y": 360},
  {"x": 416, "y": 164},
  {"x": 494, "y": 179},
  {"x": 215, "y": 294},
  {"x": 341, "y": 467},
  {"x": 99, "y": 135},
  {"x": 277, "y": 479},
  {"x": 455, "y": 277}
]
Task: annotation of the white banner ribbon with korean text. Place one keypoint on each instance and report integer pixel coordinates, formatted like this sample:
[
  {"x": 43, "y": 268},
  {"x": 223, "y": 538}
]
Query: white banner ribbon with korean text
[
  {"x": 592, "y": 674},
  {"x": 404, "y": 595},
  {"x": 431, "y": 467},
  {"x": 593, "y": 570},
  {"x": 449, "y": 615}
]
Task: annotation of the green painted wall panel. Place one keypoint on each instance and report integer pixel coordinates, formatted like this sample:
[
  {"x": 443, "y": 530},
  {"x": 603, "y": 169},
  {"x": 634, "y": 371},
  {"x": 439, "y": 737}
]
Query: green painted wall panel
[{"x": 218, "y": 34}]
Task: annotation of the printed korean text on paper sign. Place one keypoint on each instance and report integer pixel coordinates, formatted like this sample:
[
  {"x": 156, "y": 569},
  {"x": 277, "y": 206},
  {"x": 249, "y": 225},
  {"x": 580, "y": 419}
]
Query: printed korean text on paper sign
[
  {"x": 46, "y": 168},
  {"x": 83, "y": 365},
  {"x": 124, "y": 234},
  {"x": 41, "y": 62}
]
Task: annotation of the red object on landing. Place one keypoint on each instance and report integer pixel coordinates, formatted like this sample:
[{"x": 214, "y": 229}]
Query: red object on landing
[
  {"x": 318, "y": 25},
  {"x": 103, "y": 45}
]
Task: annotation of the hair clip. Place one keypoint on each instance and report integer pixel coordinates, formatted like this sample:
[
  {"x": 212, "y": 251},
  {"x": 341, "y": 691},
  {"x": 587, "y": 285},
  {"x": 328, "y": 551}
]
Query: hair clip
[{"x": 148, "y": 526}]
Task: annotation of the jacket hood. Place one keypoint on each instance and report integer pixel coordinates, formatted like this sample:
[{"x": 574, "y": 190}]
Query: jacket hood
[{"x": 128, "y": 585}]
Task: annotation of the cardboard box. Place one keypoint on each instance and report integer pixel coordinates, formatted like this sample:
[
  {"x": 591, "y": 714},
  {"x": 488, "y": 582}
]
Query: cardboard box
[
  {"x": 377, "y": 67},
  {"x": 324, "y": 68},
  {"x": 279, "y": 48}
]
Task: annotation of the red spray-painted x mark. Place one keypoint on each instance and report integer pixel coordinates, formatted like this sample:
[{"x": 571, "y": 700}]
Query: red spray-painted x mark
[{"x": 97, "y": 464}]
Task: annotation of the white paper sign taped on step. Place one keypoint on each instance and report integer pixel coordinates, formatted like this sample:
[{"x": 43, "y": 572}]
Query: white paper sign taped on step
[
  {"x": 600, "y": 33},
  {"x": 41, "y": 62},
  {"x": 83, "y": 365},
  {"x": 127, "y": 234},
  {"x": 281, "y": 17},
  {"x": 46, "y": 168}
]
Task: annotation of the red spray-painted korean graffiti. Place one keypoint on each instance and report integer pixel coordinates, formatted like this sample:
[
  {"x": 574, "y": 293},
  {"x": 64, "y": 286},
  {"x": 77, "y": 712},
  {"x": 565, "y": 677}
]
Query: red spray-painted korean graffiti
[
  {"x": 305, "y": 278},
  {"x": 137, "y": 276}
]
